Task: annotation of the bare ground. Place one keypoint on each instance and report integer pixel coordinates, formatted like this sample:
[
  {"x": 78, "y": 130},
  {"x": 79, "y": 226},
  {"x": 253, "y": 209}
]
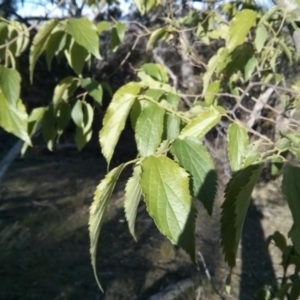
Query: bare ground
[{"x": 44, "y": 243}]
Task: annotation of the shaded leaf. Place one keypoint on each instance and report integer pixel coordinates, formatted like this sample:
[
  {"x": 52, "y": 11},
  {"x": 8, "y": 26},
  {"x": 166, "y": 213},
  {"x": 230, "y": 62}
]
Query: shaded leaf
[
  {"x": 115, "y": 117},
  {"x": 133, "y": 195},
  {"x": 156, "y": 36},
  {"x": 63, "y": 117},
  {"x": 48, "y": 126},
  {"x": 81, "y": 137},
  {"x": 93, "y": 88},
  {"x": 65, "y": 89},
  {"x": 237, "y": 142},
  {"x": 149, "y": 128},
  {"x": 78, "y": 56},
  {"x": 156, "y": 71},
  {"x": 85, "y": 34},
  {"x": 201, "y": 124},
  {"x": 39, "y": 42},
  {"x": 194, "y": 157},
  {"x": 261, "y": 36},
  {"x": 234, "y": 209},
  {"x": 114, "y": 40},
  {"x": 135, "y": 112},
  {"x": 212, "y": 90},
  {"x": 166, "y": 190},
  {"x": 97, "y": 211},
  {"x": 55, "y": 44},
  {"x": 291, "y": 190}
]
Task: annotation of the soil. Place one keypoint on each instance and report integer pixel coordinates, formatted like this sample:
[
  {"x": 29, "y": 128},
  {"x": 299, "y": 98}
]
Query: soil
[{"x": 44, "y": 241}]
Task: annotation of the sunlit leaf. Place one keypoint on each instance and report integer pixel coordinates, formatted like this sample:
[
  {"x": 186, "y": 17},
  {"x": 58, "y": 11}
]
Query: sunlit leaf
[
  {"x": 10, "y": 81},
  {"x": 201, "y": 124},
  {"x": 97, "y": 211},
  {"x": 149, "y": 128},
  {"x": 194, "y": 157},
  {"x": 39, "y": 42},
  {"x": 239, "y": 28},
  {"x": 115, "y": 117},
  {"x": 234, "y": 209},
  {"x": 237, "y": 142},
  {"x": 13, "y": 118},
  {"x": 103, "y": 26},
  {"x": 77, "y": 114},
  {"x": 85, "y": 34},
  {"x": 133, "y": 195},
  {"x": 166, "y": 190}
]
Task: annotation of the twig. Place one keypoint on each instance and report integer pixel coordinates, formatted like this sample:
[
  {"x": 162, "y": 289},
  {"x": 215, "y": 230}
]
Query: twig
[{"x": 208, "y": 276}]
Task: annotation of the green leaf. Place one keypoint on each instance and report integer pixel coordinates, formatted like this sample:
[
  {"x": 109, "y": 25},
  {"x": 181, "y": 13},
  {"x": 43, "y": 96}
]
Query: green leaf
[
  {"x": 234, "y": 209},
  {"x": 93, "y": 88},
  {"x": 261, "y": 36},
  {"x": 166, "y": 189},
  {"x": 78, "y": 56},
  {"x": 250, "y": 68},
  {"x": 81, "y": 137},
  {"x": 48, "y": 126},
  {"x": 173, "y": 99},
  {"x": 149, "y": 128},
  {"x": 85, "y": 34},
  {"x": 103, "y": 26},
  {"x": 133, "y": 195},
  {"x": 277, "y": 164},
  {"x": 63, "y": 117},
  {"x": 39, "y": 42},
  {"x": 77, "y": 114},
  {"x": 97, "y": 211},
  {"x": 13, "y": 118},
  {"x": 33, "y": 121},
  {"x": 10, "y": 81},
  {"x": 135, "y": 112},
  {"x": 156, "y": 36},
  {"x": 194, "y": 157},
  {"x": 121, "y": 30},
  {"x": 239, "y": 28},
  {"x": 88, "y": 116},
  {"x": 237, "y": 142},
  {"x": 64, "y": 90},
  {"x": 146, "y": 5},
  {"x": 114, "y": 40},
  {"x": 200, "y": 125},
  {"x": 115, "y": 117},
  {"x": 55, "y": 44},
  {"x": 291, "y": 190},
  {"x": 211, "y": 92},
  {"x": 216, "y": 64},
  {"x": 172, "y": 126},
  {"x": 156, "y": 71}
]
